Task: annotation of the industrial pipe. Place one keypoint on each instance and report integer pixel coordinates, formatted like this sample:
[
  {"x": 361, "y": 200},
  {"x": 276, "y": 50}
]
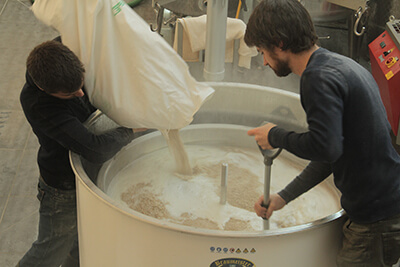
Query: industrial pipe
[{"x": 214, "y": 63}]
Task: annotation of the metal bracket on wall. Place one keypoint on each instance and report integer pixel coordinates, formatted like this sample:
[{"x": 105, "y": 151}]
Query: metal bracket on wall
[{"x": 360, "y": 14}]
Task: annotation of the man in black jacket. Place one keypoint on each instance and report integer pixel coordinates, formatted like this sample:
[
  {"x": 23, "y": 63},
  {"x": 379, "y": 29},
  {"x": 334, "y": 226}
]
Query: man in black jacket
[
  {"x": 348, "y": 133},
  {"x": 55, "y": 105}
]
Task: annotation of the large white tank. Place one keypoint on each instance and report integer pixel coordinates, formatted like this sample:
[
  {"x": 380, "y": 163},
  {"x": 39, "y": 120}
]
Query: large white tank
[{"x": 111, "y": 234}]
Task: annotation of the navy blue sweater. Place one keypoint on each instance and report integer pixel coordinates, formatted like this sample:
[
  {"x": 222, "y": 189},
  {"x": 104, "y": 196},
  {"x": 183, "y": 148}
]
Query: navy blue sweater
[
  {"x": 58, "y": 125},
  {"x": 348, "y": 135}
]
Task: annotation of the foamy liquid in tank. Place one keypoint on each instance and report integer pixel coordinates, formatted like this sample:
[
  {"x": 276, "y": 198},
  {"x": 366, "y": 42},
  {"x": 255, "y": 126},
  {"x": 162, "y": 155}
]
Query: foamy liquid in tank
[{"x": 152, "y": 186}]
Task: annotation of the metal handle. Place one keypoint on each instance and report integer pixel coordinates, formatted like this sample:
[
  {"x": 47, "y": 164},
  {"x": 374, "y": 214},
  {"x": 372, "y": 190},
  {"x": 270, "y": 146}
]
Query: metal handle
[
  {"x": 267, "y": 188},
  {"x": 160, "y": 16},
  {"x": 269, "y": 156},
  {"x": 360, "y": 12}
]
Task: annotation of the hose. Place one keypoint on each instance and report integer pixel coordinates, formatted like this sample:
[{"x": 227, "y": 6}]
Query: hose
[{"x": 238, "y": 9}]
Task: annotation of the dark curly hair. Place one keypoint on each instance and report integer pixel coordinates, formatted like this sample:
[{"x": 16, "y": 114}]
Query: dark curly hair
[
  {"x": 55, "y": 68},
  {"x": 281, "y": 23}
]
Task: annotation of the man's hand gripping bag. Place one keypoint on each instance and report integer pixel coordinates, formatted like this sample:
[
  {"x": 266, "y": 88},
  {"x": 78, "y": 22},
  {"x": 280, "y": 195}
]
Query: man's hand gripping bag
[{"x": 132, "y": 74}]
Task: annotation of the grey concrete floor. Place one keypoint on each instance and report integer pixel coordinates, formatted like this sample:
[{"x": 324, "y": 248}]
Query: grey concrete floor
[{"x": 20, "y": 31}]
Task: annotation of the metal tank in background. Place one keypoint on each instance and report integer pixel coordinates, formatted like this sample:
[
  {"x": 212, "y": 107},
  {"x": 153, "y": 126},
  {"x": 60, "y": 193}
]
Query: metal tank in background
[
  {"x": 361, "y": 20},
  {"x": 334, "y": 20},
  {"x": 321, "y": 11}
]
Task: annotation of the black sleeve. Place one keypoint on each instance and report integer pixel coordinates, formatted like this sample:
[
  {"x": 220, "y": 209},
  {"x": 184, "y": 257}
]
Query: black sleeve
[
  {"x": 322, "y": 100},
  {"x": 313, "y": 174},
  {"x": 60, "y": 125}
]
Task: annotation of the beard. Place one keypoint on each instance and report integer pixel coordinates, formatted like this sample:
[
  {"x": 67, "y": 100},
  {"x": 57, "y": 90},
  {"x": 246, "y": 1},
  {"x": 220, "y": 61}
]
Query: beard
[{"x": 282, "y": 68}]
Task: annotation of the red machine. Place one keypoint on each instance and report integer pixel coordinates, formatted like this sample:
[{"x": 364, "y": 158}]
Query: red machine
[{"x": 384, "y": 54}]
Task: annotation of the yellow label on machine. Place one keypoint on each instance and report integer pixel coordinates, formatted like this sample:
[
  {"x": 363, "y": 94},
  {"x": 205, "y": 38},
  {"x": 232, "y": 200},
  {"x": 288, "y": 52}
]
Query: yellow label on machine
[{"x": 389, "y": 75}]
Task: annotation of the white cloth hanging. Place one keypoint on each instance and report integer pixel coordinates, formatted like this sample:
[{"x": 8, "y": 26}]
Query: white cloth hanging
[{"x": 194, "y": 40}]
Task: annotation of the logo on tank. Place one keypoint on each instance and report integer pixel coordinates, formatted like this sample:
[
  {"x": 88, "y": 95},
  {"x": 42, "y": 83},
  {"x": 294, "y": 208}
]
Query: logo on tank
[{"x": 232, "y": 262}]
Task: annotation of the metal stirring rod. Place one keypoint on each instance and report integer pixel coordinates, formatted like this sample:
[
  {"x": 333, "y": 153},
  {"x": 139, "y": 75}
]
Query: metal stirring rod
[
  {"x": 224, "y": 181},
  {"x": 269, "y": 156}
]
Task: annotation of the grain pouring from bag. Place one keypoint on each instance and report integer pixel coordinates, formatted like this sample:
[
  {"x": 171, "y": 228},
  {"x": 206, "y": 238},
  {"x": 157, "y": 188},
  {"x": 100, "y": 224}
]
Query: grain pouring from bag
[{"x": 179, "y": 153}]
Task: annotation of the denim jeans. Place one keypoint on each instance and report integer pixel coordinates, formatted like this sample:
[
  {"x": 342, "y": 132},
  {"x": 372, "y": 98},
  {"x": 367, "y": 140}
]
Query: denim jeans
[
  {"x": 57, "y": 242},
  {"x": 370, "y": 245}
]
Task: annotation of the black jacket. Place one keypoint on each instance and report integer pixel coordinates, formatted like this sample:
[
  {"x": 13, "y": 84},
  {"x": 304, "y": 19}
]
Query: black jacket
[
  {"x": 348, "y": 135},
  {"x": 58, "y": 125}
]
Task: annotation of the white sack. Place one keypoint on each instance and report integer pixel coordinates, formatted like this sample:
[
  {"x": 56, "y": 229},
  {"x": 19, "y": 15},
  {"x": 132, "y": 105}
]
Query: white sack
[{"x": 132, "y": 74}]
